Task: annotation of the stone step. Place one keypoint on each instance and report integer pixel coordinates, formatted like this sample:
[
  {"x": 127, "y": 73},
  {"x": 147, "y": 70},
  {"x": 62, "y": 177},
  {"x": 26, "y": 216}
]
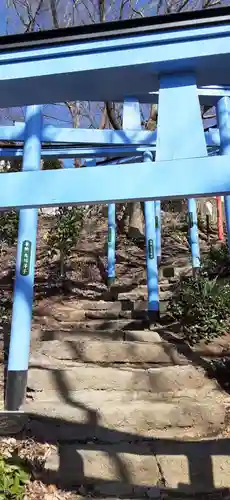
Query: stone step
[
  {"x": 166, "y": 285},
  {"x": 59, "y": 312},
  {"x": 110, "y": 315},
  {"x": 111, "y": 419},
  {"x": 106, "y": 324},
  {"x": 52, "y": 374},
  {"x": 68, "y": 332},
  {"x": 65, "y": 323},
  {"x": 79, "y": 316},
  {"x": 138, "y": 293},
  {"x": 114, "y": 352},
  {"x": 65, "y": 332},
  {"x": 98, "y": 398},
  {"x": 110, "y": 306},
  {"x": 144, "y": 470},
  {"x": 127, "y": 305},
  {"x": 106, "y": 469},
  {"x": 113, "y": 310}
]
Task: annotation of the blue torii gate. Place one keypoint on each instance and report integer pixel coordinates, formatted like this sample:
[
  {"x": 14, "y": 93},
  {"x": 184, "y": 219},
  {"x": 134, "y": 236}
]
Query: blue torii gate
[
  {"x": 113, "y": 62},
  {"x": 131, "y": 123}
]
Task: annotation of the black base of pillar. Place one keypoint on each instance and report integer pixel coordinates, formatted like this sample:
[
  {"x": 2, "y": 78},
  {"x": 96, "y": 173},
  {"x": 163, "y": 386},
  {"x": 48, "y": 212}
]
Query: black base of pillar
[
  {"x": 15, "y": 390},
  {"x": 154, "y": 317},
  {"x": 110, "y": 282},
  {"x": 195, "y": 271}
]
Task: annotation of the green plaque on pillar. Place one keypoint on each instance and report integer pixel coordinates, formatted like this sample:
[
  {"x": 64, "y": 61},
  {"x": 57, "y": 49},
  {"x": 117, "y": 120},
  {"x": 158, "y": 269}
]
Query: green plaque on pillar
[
  {"x": 156, "y": 222},
  {"x": 151, "y": 249},
  {"x": 190, "y": 219},
  {"x": 109, "y": 235},
  {"x": 25, "y": 258}
]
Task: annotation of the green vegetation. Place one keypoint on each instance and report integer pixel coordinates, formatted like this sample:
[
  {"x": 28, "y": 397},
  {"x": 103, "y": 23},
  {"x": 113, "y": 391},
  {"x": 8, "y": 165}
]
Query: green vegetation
[
  {"x": 13, "y": 480},
  {"x": 5, "y": 307},
  {"x": 202, "y": 304},
  {"x": 63, "y": 236},
  {"x": 217, "y": 261},
  {"x": 51, "y": 164},
  {"x": 8, "y": 229},
  {"x": 202, "y": 307}
]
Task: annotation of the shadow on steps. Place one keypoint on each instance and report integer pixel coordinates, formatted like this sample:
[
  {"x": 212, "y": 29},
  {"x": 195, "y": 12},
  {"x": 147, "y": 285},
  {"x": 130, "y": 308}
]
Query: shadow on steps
[
  {"x": 132, "y": 466},
  {"x": 217, "y": 367}
]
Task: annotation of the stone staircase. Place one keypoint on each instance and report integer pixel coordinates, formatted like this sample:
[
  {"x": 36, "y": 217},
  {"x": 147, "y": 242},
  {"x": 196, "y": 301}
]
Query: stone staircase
[{"x": 127, "y": 410}]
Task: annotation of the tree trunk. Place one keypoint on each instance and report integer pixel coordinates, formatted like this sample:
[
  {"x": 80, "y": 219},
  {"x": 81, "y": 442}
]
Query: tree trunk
[
  {"x": 136, "y": 221},
  {"x": 136, "y": 215}
]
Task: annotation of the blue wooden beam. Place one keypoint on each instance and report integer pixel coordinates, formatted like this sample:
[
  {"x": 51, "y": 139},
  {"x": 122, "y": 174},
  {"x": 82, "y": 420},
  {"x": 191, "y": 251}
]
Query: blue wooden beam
[
  {"x": 87, "y": 152},
  {"x": 179, "y": 99},
  {"x": 223, "y": 118},
  {"x": 81, "y": 136},
  {"x": 24, "y": 280},
  {"x": 132, "y": 121},
  {"x": 113, "y": 68},
  {"x": 208, "y": 95},
  {"x": 111, "y": 138},
  {"x": 151, "y": 256},
  {"x": 198, "y": 177},
  {"x": 78, "y": 152}
]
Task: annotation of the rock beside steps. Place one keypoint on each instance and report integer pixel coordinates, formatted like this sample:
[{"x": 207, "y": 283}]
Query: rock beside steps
[{"x": 129, "y": 412}]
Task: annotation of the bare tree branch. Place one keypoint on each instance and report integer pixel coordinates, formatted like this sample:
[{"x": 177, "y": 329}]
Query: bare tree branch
[
  {"x": 102, "y": 13},
  {"x": 53, "y": 8},
  {"x": 29, "y": 21}
]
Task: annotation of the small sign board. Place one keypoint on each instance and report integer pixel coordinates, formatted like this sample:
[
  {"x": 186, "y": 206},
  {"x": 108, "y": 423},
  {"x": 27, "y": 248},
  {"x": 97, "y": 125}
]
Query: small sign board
[
  {"x": 109, "y": 235},
  {"x": 25, "y": 258},
  {"x": 151, "y": 249},
  {"x": 190, "y": 220}
]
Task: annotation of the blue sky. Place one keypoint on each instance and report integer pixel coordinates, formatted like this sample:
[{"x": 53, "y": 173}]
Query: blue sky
[
  {"x": 55, "y": 114},
  {"x": 2, "y": 19},
  {"x": 4, "y": 15}
]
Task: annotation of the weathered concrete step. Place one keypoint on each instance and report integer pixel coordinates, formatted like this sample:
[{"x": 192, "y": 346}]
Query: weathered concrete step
[
  {"x": 107, "y": 469},
  {"x": 114, "y": 352},
  {"x": 80, "y": 315},
  {"x": 124, "y": 308},
  {"x": 98, "y": 398},
  {"x": 101, "y": 305},
  {"x": 135, "y": 296},
  {"x": 114, "y": 421},
  {"x": 106, "y": 324},
  {"x": 110, "y": 315},
  {"x": 52, "y": 374},
  {"x": 131, "y": 315},
  {"x": 140, "y": 293},
  {"x": 67, "y": 323},
  {"x": 166, "y": 285},
  {"x": 114, "y": 310},
  {"x": 106, "y": 305},
  {"x": 130, "y": 292},
  {"x": 66, "y": 334},
  {"x": 57, "y": 313},
  {"x": 143, "y": 470},
  {"x": 213, "y": 349}
]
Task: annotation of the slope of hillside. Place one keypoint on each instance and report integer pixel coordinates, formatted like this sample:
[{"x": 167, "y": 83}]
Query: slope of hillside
[{"x": 115, "y": 409}]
